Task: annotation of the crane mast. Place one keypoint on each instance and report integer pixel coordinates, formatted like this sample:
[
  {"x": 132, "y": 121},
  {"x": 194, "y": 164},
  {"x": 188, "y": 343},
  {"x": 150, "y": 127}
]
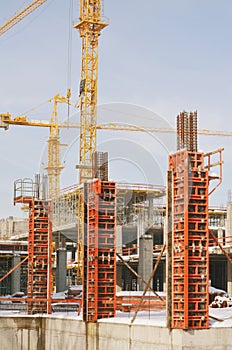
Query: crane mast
[
  {"x": 54, "y": 166},
  {"x": 89, "y": 26}
]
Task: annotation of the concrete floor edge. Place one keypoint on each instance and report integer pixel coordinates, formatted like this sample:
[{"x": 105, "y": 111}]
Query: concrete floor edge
[{"x": 58, "y": 333}]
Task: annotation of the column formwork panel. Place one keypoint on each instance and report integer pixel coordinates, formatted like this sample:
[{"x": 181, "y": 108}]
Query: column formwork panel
[
  {"x": 99, "y": 277},
  {"x": 190, "y": 257},
  {"x": 39, "y": 287}
]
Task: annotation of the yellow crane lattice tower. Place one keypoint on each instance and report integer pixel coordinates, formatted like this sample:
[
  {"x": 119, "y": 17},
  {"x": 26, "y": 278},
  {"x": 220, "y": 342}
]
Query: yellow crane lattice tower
[
  {"x": 54, "y": 166},
  {"x": 90, "y": 27}
]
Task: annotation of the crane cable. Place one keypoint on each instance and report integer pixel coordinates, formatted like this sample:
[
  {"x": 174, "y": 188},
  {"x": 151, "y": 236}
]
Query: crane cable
[
  {"x": 35, "y": 107},
  {"x": 69, "y": 70}
]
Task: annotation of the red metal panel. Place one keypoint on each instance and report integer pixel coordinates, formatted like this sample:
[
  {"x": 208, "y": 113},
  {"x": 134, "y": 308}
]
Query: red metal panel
[
  {"x": 92, "y": 251},
  {"x": 39, "y": 258},
  {"x": 107, "y": 250},
  {"x": 99, "y": 278},
  {"x": 190, "y": 273}
]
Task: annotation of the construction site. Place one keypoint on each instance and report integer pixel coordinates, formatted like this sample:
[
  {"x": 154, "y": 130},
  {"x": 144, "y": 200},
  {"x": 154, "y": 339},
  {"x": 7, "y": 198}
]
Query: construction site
[{"x": 104, "y": 264}]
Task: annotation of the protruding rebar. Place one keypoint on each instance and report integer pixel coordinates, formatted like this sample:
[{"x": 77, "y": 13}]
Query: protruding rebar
[{"x": 187, "y": 131}]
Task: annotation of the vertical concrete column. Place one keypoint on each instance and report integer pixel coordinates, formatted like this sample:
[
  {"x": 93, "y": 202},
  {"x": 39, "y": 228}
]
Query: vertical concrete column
[
  {"x": 10, "y": 229},
  {"x": 119, "y": 239},
  {"x": 16, "y": 275},
  {"x": 140, "y": 228},
  {"x": 164, "y": 278},
  {"x": 119, "y": 251},
  {"x": 145, "y": 266},
  {"x": 229, "y": 279},
  {"x": 164, "y": 231},
  {"x": 61, "y": 269},
  {"x": 119, "y": 277},
  {"x": 229, "y": 220},
  {"x": 150, "y": 212},
  {"x": 220, "y": 235}
]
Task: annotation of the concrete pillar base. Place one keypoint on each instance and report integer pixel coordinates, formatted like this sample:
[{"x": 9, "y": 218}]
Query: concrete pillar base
[
  {"x": 61, "y": 269},
  {"x": 16, "y": 275},
  {"x": 229, "y": 279},
  {"x": 145, "y": 266}
]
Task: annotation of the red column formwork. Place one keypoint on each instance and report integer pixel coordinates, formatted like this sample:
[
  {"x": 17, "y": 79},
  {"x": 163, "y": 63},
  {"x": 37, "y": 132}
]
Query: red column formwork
[
  {"x": 39, "y": 287},
  {"x": 99, "y": 277},
  {"x": 190, "y": 257}
]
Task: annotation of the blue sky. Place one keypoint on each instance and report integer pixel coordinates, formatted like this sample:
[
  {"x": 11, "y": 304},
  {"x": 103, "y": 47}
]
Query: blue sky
[{"x": 156, "y": 58}]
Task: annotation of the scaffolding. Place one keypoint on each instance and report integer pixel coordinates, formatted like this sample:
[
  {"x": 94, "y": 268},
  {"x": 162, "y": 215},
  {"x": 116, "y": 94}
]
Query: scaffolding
[{"x": 64, "y": 209}]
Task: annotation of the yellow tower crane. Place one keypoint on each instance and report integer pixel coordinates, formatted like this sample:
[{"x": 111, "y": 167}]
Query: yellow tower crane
[
  {"x": 54, "y": 166},
  {"x": 90, "y": 27}
]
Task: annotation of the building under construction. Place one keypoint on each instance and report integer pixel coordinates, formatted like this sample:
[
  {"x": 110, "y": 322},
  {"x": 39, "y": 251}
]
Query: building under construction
[{"x": 127, "y": 265}]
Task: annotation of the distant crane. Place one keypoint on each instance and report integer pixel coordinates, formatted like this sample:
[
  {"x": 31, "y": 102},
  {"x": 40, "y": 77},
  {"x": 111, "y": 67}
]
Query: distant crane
[{"x": 54, "y": 166}]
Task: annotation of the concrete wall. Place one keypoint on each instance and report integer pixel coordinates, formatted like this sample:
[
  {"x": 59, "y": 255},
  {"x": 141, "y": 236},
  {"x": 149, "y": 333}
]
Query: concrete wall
[
  {"x": 53, "y": 333},
  {"x": 21, "y": 333}
]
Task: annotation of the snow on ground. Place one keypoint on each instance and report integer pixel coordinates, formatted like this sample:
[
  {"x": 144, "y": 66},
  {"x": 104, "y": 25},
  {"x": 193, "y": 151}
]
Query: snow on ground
[
  {"x": 159, "y": 318},
  {"x": 155, "y": 318},
  {"x": 139, "y": 294},
  {"x": 224, "y": 314}
]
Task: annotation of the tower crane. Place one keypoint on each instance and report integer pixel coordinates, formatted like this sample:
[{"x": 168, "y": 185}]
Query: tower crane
[
  {"x": 20, "y": 15},
  {"x": 54, "y": 166},
  {"x": 89, "y": 26}
]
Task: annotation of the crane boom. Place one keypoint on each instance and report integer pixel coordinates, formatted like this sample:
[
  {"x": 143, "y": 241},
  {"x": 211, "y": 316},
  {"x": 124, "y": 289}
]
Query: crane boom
[
  {"x": 20, "y": 15},
  {"x": 152, "y": 129},
  {"x": 89, "y": 26},
  {"x": 6, "y": 120}
]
